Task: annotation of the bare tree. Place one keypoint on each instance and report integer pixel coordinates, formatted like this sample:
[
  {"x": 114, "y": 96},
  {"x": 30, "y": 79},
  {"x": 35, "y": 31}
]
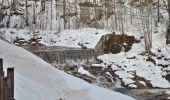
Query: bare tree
[
  {"x": 26, "y": 8},
  {"x": 146, "y": 15},
  {"x": 168, "y": 7},
  {"x": 51, "y": 15},
  {"x": 158, "y": 10},
  {"x": 64, "y": 12},
  {"x": 121, "y": 13}
]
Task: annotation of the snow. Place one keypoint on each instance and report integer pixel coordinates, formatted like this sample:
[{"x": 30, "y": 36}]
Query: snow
[
  {"x": 89, "y": 37},
  {"x": 82, "y": 71},
  {"x": 132, "y": 86},
  {"x": 127, "y": 65},
  {"x": 139, "y": 65},
  {"x": 142, "y": 82},
  {"x": 37, "y": 80},
  {"x": 97, "y": 65},
  {"x": 127, "y": 68}
]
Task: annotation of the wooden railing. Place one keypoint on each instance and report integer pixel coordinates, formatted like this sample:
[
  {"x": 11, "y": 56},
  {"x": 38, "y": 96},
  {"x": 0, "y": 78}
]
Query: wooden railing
[{"x": 6, "y": 83}]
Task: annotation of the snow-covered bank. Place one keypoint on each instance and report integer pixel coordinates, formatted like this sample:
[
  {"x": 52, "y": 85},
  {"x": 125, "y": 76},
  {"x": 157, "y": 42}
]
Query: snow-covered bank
[
  {"x": 88, "y": 37},
  {"x": 37, "y": 80},
  {"x": 138, "y": 70},
  {"x": 133, "y": 63}
]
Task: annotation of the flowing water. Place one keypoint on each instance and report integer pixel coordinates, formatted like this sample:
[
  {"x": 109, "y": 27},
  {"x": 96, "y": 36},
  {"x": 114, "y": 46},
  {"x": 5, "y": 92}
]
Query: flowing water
[{"x": 59, "y": 55}]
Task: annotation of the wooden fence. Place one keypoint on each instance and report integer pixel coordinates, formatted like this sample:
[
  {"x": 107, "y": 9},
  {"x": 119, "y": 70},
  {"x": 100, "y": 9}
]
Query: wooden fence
[{"x": 6, "y": 83}]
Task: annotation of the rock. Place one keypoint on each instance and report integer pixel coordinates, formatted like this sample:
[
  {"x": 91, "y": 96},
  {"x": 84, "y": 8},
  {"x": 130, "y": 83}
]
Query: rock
[
  {"x": 164, "y": 66},
  {"x": 167, "y": 77},
  {"x": 151, "y": 60},
  {"x": 112, "y": 48},
  {"x": 112, "y": 43},
  {"x": 159, "y": 50},
  {"x": 82, "y": 45},
  {"x": 126, "y": 48},
  {"x": 141, "y": 82},
  {"x": 160, "y": 57},
  {"x": 86, "y": 78}
]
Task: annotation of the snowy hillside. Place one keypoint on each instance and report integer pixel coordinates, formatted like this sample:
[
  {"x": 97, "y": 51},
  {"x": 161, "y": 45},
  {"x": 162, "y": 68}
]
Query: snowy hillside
[
  {"x": 139, "y": 70},
  {"x": 88, "y": 37},
  {"x": 37, "y": 80},
  {"x": 140, "y": 62},
  {"x": 134, "y": 68}
]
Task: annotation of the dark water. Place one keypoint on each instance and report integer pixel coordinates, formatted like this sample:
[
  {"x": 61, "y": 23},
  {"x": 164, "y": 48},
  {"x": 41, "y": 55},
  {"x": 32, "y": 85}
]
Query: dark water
[{"x": 146, "y": 94}]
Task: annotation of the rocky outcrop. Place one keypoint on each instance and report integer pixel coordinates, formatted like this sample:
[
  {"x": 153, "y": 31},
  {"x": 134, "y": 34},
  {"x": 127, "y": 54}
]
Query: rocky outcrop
[{"x": 112, "y": 43}]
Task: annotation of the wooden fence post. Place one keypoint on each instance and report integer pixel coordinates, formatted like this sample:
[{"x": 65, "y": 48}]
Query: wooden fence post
[
  {"x": 10, "y": 80},
  {"x": 1, "y": 66},
  {"x": 2, "y": 88},
  {"x": 1, "y": 79},
  {"x": 5, "y": 91},
  {"x": 6, "y": 83}
]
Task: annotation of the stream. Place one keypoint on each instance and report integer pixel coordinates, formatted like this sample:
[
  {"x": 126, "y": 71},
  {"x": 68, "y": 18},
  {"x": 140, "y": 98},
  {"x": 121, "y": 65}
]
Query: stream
[{"x": 60, "y": 55}]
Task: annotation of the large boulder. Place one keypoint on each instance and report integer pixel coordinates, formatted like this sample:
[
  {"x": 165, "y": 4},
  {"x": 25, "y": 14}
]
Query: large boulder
[{"x": 112, "y": 43}]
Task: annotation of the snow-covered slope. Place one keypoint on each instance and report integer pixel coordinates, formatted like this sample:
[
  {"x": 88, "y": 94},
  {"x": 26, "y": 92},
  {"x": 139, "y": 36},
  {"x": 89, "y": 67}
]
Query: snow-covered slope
[
  {"x": 37, "y": 80},
  {"x": 88, "y": 37},
  {"x": 137, "y": 69}
]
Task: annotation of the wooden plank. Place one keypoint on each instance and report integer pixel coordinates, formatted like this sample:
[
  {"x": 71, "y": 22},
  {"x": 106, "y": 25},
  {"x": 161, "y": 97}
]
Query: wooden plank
[
  {"x": 10, "y": 80},
  {"x": 1, "y": 66},
  {"x": 6, "y": 84},
  {"x": 2, "y": 88}
]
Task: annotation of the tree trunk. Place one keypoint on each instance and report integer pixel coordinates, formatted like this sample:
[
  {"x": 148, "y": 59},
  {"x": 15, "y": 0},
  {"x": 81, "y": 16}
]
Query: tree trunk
[
  {"x": 26, "y": 7},
  {"x": 158, "y": 11},
  {"x": 169, "y": 8},
  {"x": 64, "y": 12},
  {"x": 51, "y": 27}
]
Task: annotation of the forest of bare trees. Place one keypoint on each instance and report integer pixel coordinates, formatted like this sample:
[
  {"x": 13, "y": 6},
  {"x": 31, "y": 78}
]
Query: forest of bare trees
[{"x": 114, "y": 15}]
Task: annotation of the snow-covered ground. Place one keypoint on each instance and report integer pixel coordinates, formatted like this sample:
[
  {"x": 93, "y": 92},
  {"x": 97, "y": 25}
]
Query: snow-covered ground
[
  {"x": 88, "y": 37},
  {"x": 37, "y": 80},
  {"x": 133, "y": 63},
  {"x": 127, "y": 66}
]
